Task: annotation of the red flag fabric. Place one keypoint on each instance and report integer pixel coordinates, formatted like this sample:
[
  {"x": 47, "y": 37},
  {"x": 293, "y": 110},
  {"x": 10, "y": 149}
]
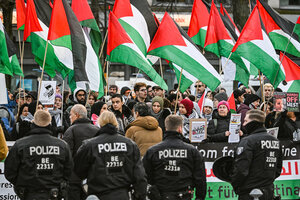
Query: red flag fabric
[
  {"x": 82, "y": 10},
  {"x": 59, "y": 25},
  {"x": 231, "y": 102},
  {"x": 292, "y": 70},
  {"x": 201, "y": 101},
  {"x": 20, "y": 7},
  {"x": 31, "y": 23}
]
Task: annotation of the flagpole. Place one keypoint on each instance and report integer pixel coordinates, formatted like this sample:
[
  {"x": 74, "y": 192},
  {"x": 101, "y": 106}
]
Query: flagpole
[
  {"x": 178, "y": 90},
  {"x": 261, "y": 87},
  {"x": 21, "y": 49},
  {"x": 161, "y": 70},
  {"x": 102, "y": 46},
  {"x": 226, "y": 62},
  {"x": 62, "y": 99},
  {"x": 106, "y": 92},
  {"x": 41, "y": 80}
]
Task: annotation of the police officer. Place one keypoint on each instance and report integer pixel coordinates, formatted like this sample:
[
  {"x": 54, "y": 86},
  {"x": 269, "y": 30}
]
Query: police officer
[
  {"x": 39, "y": 165},
  {"x": 111, "y": 163},
  {"x": 258, "y": 159},
  {"x": 173, "y": 167}
]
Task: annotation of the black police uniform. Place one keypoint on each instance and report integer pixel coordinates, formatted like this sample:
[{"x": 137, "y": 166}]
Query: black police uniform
[
  {"x": 258, "y": 162},
  {"x": 111, "y": 163},
  {"x": 38, "y": 164},
  {"x": 175, "y": 168}
]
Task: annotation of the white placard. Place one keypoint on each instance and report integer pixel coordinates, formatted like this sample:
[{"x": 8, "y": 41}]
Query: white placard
[
  {"x": 198, "y": 130},
  {"x": 47, "y": 95},
  {"x": 273, "y": 131},
  {"x": 3, "y": 98},
  {"x": 234, "y": 127}
]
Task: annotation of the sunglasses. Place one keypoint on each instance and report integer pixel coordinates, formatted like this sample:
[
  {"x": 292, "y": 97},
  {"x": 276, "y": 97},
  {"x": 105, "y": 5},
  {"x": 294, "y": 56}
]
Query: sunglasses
[{"x": 198, "y": 86}]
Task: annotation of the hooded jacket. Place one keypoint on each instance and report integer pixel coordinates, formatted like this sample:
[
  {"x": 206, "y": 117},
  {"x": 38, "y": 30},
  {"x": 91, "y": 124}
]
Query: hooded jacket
[{"x": 145, "y": 132}]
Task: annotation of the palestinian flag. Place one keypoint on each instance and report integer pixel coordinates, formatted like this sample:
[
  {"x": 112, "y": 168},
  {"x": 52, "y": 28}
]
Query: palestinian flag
[
  {"x": 87, "y": 20},
  {"x": 229, "y": 23},
  {"x": 121, "y": 49},
  {"x": 199, "y": 22},
  {"x": 279, "y": 30},
  {"x": 297, "y": 27},
  {"x": 219, "y": 42},
  {"x": 255, "y": 46},
  {"x": 20, "y": 8},
  {"x": 173, "y": 44},
  {"x": 138, "y": 21},
  {"x": 12, "y": 54},
  {"x": 36, "y": 32},
  {"x": 5, "y": 66},
  {"x": 232, "y": 105},
  {"x": 292, "y": 75},
  {"x": 201, "y": 101},
  {"x": 77, "y": 56}
]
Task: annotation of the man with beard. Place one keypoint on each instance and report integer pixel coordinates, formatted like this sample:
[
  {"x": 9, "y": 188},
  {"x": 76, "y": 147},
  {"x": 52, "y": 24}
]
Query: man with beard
[
  {"x": 79, "y": 97},
  {"x": 257, "y": 159}
]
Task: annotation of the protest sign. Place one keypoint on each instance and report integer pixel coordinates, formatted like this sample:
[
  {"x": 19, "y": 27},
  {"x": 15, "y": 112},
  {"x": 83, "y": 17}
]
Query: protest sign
[
  {"x": 198, "y": 130},
  {"x": 292, "y": 101},
  {"x": 234, "y": 127},
  {"x": 279, "y": 101},
  {"x": 3, "y": 98},
  {"x": 273, "y": 131},
  {"x": 47, "y": 94}
]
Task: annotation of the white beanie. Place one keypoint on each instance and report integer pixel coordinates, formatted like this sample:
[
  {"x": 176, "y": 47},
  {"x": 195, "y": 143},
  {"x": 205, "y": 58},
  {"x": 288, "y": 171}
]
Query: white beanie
[{"x": 209, "y": 103}]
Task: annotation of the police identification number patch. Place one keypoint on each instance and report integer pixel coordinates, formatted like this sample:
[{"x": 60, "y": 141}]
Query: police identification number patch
[
  {"x": 239, "y": 150},
  {"x": 114, "y": 163},
  {"x": 171, "y": 168},
  {"x": 271, "y": 159},
  {"x": 45, "y": 165}
]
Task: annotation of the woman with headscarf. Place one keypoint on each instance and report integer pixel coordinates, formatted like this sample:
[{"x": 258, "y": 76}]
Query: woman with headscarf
[
  {"x": 96, "y": 110},
  {"x": 187, "y": 112},
  {"x": 159, "y": 112}
]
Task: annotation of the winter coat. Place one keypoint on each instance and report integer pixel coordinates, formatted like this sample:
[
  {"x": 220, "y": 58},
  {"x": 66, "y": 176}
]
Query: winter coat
[
  {"x": 3, "y": 146},
  {"x": 243, "y": 109},
  {"x": 162, "y": 117},
  {"x": 216, "y": 133},
  {"x": 124, "y": 118},
  {"x": 145, "y": 132}
]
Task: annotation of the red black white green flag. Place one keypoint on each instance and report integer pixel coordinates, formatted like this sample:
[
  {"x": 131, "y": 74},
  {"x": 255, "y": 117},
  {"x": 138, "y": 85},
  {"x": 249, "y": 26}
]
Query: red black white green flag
[
  {"x": 87, "y": 20},
  {"x": 172, "y": 43},
  {"x": 279, "y": 30},
  {"x": 20, "y": 8},
  {"x": 121, "y": 49},
  {"x": 199, "y": 22},
  {"x": 292, "y": 75},
  {"x": 255, "y": 46}
]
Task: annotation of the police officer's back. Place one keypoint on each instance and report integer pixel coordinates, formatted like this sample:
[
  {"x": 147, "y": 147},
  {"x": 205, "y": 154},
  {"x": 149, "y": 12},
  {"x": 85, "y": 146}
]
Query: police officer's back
[
  {"x": 173, "y": 167},
  {"x": 111, "y": 163},
  {"x": 258, "y": 159},
  {"x": 38, "y": 164}
]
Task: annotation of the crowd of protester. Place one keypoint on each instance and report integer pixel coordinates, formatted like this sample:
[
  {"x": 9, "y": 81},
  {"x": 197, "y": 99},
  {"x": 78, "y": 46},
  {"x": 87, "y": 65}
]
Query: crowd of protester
[{"x": 157, "y": 104}]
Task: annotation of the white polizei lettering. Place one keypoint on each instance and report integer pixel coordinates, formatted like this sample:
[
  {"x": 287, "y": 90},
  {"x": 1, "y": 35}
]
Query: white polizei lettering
[
  {"x": 269, "y": 144},
  {"x": 44, "y": 150},
  {"x": 112, "y": 147},
  {"x": 172, "y": 153}
]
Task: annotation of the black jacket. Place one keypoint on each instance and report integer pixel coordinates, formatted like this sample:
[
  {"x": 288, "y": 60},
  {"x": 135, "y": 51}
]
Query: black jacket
[
  {"x": 109, "y": 162},
  {"x": 217, "y": 133},
  {"x": 258, "y": 162},
  {"x": 80, "y": 130},
  {"x": 173, "y": 165},
  {"x": 38, "y": 161}
]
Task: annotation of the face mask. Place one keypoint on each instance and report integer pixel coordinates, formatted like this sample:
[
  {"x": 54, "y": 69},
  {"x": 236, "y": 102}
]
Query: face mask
[{"x": 252, "y": 126}]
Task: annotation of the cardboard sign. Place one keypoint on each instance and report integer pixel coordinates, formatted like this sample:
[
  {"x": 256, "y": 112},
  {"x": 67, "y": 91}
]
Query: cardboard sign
[
  {"x": 279, "y": 101},
  {"x": 292, "y": 101},
  {"x": 3, "y": 98},
  {"x": 47, "y": 94},
  {"x": 198, "y": 130}
]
